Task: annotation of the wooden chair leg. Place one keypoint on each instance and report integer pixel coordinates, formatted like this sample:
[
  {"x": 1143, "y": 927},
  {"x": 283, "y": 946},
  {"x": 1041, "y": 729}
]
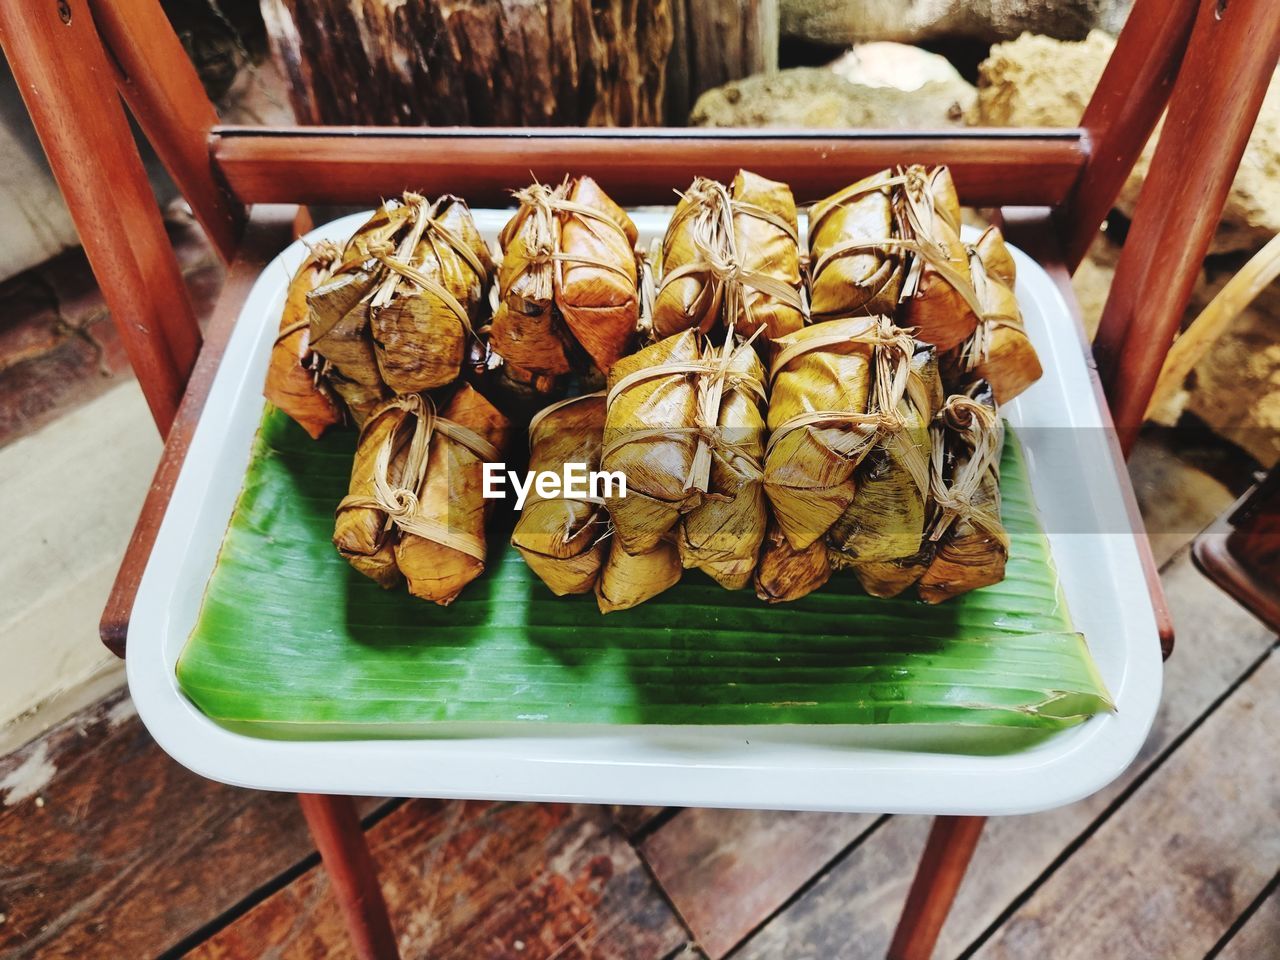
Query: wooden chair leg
[
  {"x": 336, "y": 829},
  {"x": 946, "y": 856}
]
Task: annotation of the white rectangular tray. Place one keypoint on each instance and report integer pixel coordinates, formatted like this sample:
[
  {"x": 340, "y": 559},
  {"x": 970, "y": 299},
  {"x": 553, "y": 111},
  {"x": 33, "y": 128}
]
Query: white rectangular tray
[{"x": 850, "y": 768}]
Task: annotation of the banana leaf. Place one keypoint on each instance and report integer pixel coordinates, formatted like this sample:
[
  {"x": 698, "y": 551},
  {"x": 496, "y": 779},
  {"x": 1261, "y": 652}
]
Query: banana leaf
[{"x": 290, "y": 642}]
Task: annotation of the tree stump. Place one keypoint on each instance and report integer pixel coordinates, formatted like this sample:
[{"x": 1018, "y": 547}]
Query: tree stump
[
  {"x": 473, "y": 62},
  {"x": 514, "y": 62}
]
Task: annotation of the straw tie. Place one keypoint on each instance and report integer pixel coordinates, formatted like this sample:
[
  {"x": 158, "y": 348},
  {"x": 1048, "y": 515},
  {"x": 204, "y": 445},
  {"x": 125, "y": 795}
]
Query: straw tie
[
  {"x": 716, "y": 244},
  {"x": 714, "y": 377},
  {"x": 399, "y": 500},
  {"x": 979, "y": 425}
]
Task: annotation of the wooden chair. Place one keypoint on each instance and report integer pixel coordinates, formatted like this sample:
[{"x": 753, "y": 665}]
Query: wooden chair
[{"x": 1208, "y": 60}]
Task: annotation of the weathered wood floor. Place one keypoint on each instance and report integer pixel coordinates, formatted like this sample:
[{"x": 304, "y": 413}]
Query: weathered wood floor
[{"x": 108, "y": 848}]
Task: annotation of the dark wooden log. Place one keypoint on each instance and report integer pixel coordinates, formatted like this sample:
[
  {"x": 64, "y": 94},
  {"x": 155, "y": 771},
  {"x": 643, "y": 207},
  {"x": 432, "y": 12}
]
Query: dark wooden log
[
  {"x": 478, "y": 62},
  {"x": 716, "y": 41}
]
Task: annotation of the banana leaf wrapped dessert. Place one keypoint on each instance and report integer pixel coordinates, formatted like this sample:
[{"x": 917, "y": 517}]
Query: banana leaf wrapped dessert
[
  {"x": 999, "y": 351},
  {"x": 766, "y": 290},
  {"x": 651, "y": 438},
  {"x": 339, "y": 332},
  {"x": 731, "y": 256},
  {"x": 562, "y": 539},
  {"x": 424, "y": 312},
  {"x": 363, "y": 531},
  {"x": 939, "y": 300},
  {"x": 629, "y": 579},
  {"x": 854, "y": 273},
  {"x": 722, "y": 535},
  {"x": 691, "y": 292},
  {"x": 568, "y": 283},
  {"x": 295, "y": 380},
  {"x": 886, "y": 520},
  {"x": 596, "y": 272},
  {"x": 819, "y": 423},
  {"x": 525, "y": 332},
  {"x": 784, "y": 573},
  {"x": 972, "y": 544},
  {"x": 339, "y": 308},
  {"x": 442, "y": 529}
]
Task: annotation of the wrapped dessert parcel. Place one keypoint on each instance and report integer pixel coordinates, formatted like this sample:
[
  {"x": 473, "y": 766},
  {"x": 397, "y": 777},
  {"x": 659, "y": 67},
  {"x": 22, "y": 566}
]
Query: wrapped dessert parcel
[
  {"x": 731, "y": 259},
  {"x": 568, "y": 298},
  {"x": 415, "y": 507},
  {"x": 685, "y": 426}
]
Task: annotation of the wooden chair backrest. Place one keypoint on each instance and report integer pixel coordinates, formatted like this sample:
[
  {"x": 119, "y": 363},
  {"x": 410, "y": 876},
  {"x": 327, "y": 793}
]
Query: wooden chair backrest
[{"x": 1208, "y": 60}]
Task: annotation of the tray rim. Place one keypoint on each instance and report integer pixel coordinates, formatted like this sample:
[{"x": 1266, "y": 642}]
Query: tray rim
[{"x": 657, "y": 765}]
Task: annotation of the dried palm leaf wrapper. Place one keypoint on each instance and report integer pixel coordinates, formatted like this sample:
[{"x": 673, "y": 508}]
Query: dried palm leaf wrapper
[
  {"x": 339, "y": 308},
  {"x": 562, "y": 539},
  {"x": 722, "y": 535},
  {"x": 649, "y": 438},
  {"x": 663, "y": 432},
  {"x": 339, "y": 314},
  {"x": 295, "y": 378},
  {"x": 888, "y": 578},
  {"x": 939, "y": 300},
  {"x": 442, "y": 528},
  {"x": 596, "y": 272},
  {"x": 725, "y": 258},
  {"x": 424, "y": 312},
  {"x": 890, "y": 486},
  {"x": 388, "y": 223},
  {"x": 820, "y": 427},
  {"x": 766, "y": 244},
  {"x": 568, "y": 284},
  {"x": 853, "y": 271},
  {"x": 525, "y": 331},
  {"x": 886, "y": 520},
  {"x": 629, "y": 579},
  {"x": 999, "y": 352},
  {"x": 785, "y": 573},
  {"x": 689, "y": 295},
  {"x": 363, "y": 532},
  {"x": 973, "y": 545}
]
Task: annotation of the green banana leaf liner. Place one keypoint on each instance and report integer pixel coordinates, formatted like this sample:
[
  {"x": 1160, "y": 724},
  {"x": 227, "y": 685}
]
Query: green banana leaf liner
[{"x": 292, "y": 643}]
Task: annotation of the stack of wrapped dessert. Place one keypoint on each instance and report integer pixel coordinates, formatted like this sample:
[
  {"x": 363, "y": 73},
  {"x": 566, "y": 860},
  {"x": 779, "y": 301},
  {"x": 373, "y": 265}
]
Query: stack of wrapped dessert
[{"x": 781, "y": 405}]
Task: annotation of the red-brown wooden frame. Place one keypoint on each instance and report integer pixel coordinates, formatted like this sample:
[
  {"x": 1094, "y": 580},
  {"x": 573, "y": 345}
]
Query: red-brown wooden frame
[{"x": 1208, "y": 60}]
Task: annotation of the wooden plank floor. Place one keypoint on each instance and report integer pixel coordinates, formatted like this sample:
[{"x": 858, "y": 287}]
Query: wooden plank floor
[{"x": 109, "y": 848}]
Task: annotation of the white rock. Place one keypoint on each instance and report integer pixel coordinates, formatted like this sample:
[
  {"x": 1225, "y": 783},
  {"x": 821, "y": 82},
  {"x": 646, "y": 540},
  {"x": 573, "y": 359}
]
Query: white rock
[{"x": 898, "y": 65}]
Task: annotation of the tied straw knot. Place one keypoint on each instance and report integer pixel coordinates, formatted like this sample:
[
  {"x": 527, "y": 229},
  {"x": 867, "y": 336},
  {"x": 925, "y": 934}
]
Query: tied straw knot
[
  {"x": 714, "y": 376},
  {"x": 714, "y": 239},
  {"x": 542, "y": 248},
  {"x": 979, "y": 428},
  {"x": 398, "y": 498}
]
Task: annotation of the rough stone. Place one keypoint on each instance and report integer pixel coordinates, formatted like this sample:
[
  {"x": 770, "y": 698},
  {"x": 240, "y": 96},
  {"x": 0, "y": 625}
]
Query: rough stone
[
  {"x": 836, "y": 23},
  {"x": 1235, "y": 389},
  {"x": 1092, "y": 280},
  {"x": 1251, "y": 215},
  {"x": 1037, "y": 81},
  {"x": 818, "y": 97}
]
